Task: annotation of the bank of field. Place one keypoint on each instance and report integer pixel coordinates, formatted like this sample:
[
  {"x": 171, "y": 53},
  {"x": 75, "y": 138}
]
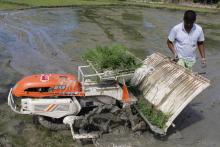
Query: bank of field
[
  {"x": 6, "y": 6},
  {"x": 22, "y": 4}
]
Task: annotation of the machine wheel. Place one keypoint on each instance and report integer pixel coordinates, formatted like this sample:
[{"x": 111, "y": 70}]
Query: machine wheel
[{"x": 52, "y": 124}]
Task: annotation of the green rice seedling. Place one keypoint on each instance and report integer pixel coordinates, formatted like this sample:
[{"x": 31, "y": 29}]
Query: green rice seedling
[
  {"x": 115, "y": 57},
  {"x": 156, "y": 117},
  {"x": 153, "y": 115}
]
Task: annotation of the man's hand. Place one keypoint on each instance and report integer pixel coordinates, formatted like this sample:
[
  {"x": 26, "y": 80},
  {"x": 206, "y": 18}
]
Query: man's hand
[
  {"x": 203, "y": 62},
  {"x": 176, "y": 58}
]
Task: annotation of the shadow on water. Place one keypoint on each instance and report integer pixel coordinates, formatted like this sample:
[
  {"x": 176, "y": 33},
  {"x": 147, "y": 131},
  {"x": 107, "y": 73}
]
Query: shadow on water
[{"x": 187, "y": 117}]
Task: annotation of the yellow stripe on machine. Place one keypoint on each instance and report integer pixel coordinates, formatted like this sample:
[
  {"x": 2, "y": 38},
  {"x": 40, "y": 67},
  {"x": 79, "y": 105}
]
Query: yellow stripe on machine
[{"x": 50, "y": 107}]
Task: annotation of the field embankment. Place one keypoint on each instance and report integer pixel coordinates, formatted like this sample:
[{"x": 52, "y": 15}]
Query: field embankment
[{"x": 26, "y": 4}]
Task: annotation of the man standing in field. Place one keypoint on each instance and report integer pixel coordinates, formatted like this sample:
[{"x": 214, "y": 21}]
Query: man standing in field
[{"x": 183, "y": 40}]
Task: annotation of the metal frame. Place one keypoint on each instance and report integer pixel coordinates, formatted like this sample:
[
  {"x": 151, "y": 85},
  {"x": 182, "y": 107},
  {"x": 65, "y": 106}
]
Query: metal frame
[
  {"x": 12, "y": 104},
  {"x": 28, "y": 106},
  {"x": 92, "y": 88},
  {"x": 101, "y": 75},
  {"x": 157, "y": 61}
]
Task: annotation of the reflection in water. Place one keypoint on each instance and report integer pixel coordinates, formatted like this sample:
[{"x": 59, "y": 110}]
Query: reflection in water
[{"x": 32, "y": 45}]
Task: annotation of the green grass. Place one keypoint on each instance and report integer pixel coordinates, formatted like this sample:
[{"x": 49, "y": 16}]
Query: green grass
[
  {"x": 173, "y": 6},
  {"x": 23, "y": 4},
  {"x": 50, "y": 3},
  {"x": 6, "y": 6},
  {"x": 156, "y": 117},
  {"x": 16, "y": 4}
]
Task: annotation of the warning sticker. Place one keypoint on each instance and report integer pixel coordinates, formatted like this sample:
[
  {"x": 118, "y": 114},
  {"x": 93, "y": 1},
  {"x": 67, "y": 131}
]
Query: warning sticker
[{"x": 44, "y": 78}]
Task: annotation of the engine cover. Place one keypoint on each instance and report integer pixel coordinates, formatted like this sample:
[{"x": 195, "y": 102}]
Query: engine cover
[{"x": 55, "y": 108}]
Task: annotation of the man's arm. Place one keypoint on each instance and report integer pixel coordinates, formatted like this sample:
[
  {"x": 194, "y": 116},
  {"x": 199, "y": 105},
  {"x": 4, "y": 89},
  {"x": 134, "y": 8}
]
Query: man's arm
[
  {"x": 200, "y": 44},
  {"x": 202, "y": 52},
  {"x": 201, "y": 48},
  {"x": 173, "y": 50},
  {"x": 171, "y": 47},
  {"x": 170, "y": 40}
]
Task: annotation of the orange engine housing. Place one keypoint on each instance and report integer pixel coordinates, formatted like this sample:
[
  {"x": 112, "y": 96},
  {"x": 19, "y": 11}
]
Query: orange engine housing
[{"x": 48, "y": 85}]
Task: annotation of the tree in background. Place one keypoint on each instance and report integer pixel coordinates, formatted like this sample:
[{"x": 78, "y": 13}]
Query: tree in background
[{"x": 206, "y": 1}]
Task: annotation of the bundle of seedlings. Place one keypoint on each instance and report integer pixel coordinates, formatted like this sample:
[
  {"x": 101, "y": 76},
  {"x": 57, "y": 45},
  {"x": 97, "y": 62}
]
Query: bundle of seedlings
[
  {"x": 148, "y": 110},
  {"x": 156, "y": 117},
  {"x": 115, "y": 58}
]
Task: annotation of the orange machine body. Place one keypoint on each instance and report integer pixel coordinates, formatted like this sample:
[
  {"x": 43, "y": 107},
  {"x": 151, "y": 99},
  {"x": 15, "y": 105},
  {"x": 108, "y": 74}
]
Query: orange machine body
[{"x": 48, "y": 85}]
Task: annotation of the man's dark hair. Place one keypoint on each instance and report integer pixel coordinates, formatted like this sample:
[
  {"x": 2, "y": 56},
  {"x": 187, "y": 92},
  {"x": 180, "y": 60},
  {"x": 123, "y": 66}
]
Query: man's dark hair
[{"x": 190, "y": 16}]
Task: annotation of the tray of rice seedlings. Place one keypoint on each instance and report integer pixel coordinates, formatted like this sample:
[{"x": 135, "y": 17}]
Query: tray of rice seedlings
[
  {"x": 150, "y": 113},
  {"x": 115, "y": 58},
  {"x": 156, "y": 118},
  {"x": 162, "y": 93}
]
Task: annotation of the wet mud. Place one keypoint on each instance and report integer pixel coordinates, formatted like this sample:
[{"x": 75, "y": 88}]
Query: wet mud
[{"x": 53, "y": 40}]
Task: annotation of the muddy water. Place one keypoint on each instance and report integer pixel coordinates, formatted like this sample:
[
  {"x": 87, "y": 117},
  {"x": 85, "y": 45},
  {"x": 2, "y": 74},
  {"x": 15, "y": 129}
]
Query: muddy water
[{"x": 52, "y": 40}]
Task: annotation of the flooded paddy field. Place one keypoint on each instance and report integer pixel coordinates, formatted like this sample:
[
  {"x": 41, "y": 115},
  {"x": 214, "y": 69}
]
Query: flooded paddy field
[{"x": 53, "y": 40}]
